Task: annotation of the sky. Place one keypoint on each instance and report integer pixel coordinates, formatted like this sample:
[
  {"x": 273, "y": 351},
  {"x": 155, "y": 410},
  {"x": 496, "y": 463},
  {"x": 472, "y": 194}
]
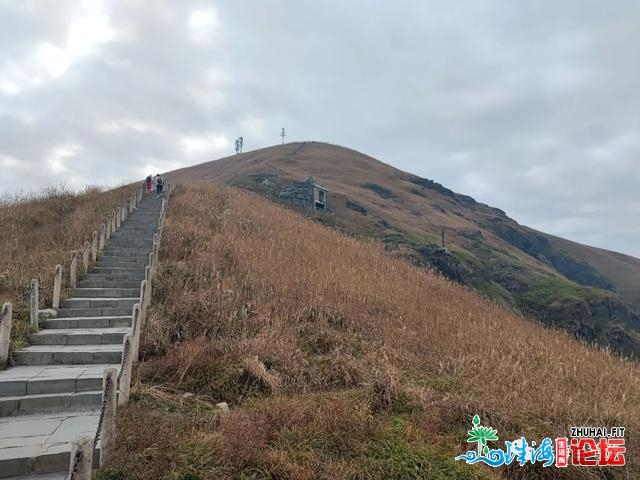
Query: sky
[{"x": 532, "y": 107}]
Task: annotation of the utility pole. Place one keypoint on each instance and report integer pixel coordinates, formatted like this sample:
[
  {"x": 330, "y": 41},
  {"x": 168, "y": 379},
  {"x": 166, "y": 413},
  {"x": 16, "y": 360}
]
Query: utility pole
[{"x": 283, "y": 134}]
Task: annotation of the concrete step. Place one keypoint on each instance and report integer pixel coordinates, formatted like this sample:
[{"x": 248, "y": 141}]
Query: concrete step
[
  {"x": 107, "y": 292},
  {"x": 68, "y": 354},
  {"x": 94, "y": 312},
  {"x": 145, "y": 246},
  {"x": 140, "y": 257},
  {"x": 113, "y": 321},
  {"x": 138, "y": 275},
  {"x": 72, "y": 303},
  {"x": 42, "y": 476},
  {"x": 117, "y": 284},
  {"x": 122, "y": 263},
  {"x": 30, "y": 404},
  {"x": 148, "y": 226},
  {"x": 121, "y": 252},
  {"x": 42, "y": 379},
  {"x": 118, "y": 270},
  {"x": 80, "y": 336},
  {"x": 41, "y": 443}
]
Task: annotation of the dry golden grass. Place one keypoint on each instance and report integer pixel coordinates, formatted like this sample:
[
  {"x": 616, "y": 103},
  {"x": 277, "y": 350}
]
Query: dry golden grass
[
  {"x": 341, "y": 362},
  {"x": 38, "y": 232}
]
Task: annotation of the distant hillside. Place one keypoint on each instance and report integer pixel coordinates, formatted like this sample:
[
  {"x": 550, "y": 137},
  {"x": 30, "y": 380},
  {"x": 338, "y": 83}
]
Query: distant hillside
[
  {"x": 338, "y": 362},
  {"x": 588, "y": 291}
]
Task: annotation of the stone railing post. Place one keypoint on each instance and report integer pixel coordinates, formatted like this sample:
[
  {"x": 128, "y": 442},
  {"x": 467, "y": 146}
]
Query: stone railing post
[
  {"x": 124, "y": 211},
  {"x": 85, "y": 257},
  {"x": 124, "y": 383},
  {"x": 94, "y": 246},
  {"x": 81, "y": 460},
  {"x": 34, "y": 303},
  {"x": 152, "y": 261},
  {"x": 103, "y": 236},
  {"x": 143, "y": 303},
  {"x": 131, "y": 204},
  {"x": 137, "y": 332},
  {"x": 118, "y": 217},
  {"x": 73, "y": 270},
  {"x": 57, "y": 287},
  {"x": 108, "y": 433},
  {"x": 5, "y": 333}
]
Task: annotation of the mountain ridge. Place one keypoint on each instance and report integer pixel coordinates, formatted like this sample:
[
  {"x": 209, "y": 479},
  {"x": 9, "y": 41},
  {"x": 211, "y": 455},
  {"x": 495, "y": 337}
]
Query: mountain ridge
[{"x": 586, "y": 290}]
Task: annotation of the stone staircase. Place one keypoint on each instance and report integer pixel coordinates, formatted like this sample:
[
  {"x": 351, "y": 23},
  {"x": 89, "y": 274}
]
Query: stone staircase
[{"x": 53, "y": 393}]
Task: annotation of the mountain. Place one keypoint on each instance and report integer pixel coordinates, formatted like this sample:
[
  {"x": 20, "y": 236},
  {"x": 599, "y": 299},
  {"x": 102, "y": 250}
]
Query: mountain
[{"x": 588, "y": 291}]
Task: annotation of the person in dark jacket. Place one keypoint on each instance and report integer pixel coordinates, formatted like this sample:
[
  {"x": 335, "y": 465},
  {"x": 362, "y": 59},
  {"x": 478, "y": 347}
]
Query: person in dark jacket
[{"x": 159, "y": 184}]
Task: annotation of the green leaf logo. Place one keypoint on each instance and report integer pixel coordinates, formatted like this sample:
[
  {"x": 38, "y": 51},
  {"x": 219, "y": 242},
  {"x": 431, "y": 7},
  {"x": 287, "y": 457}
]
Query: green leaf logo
[{"x": 481, "y": 435}]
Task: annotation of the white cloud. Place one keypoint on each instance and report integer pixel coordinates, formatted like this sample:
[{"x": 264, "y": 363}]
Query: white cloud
[
  {"x": 207, "y": 145},
  {"x": 47, "y": 60},
  {"x": 58, "y": 159},
  {"x": 54, "y": 60},
  {"x": 203, "y": 24}
]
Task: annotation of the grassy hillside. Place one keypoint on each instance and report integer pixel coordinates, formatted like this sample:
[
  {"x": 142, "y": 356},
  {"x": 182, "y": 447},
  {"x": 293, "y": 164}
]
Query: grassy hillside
[
  {"x": 340, "y": 362},
  {"x": 38, "y": 232},
  {"x": 590, "y": 292}
]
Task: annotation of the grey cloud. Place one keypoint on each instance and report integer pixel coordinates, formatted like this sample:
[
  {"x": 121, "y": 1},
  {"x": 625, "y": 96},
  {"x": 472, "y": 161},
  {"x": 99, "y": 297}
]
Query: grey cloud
[{"x": 529, "y": 106}]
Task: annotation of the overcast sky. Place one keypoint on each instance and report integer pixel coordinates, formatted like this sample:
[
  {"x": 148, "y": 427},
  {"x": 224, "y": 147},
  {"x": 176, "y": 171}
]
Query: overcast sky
[{"x": 533, "y": 107}]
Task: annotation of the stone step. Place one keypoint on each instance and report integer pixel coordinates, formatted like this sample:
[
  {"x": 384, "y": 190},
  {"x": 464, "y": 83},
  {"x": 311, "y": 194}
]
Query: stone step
[
  {"x": 80, "y": 336},
  {"x": 114, "y": 321},
  {"x": 30, "y": 404},
  {"x": 142, "y": 236},
  {"x": 112, "y": 277},
  {"x": 42, "y": 379},
  {"x": 127, "y": 253},
  {"x": 88, "y": 302},
  {"x": 142, "y": 246},
  {"x": 42, "y": 476},
  {"x": 116, "y": 270},
  {"x": 130, "y": 240},
  {"x": 41, "y": 443},
  {"x": 94, "y": 312},
  {"x": 146, "y": 224},
  {"x": 137, "y": 257},
  {"x": 122, "y": 263},
  {"x": 68, "y": 354},
  {"x": 148, "y": 227},
  {"x": 118, "y": 284},
  {"x": 101, "y": 292}
]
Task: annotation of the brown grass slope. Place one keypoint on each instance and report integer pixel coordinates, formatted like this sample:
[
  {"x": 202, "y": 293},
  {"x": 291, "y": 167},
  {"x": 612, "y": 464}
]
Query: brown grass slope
[
  {"x": 588, "y": 291},
  {"x": 340, "y": 362},
  {"x": 37, "y": 233}
]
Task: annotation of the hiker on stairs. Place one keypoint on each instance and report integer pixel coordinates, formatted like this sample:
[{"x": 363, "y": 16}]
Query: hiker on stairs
[
  {"x": 149, "y": 183},
  {"x": 159, "y": 184}
]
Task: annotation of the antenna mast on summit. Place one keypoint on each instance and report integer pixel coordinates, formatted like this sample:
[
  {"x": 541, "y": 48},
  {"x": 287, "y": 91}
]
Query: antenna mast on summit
[{"x": 283, "y": 134}]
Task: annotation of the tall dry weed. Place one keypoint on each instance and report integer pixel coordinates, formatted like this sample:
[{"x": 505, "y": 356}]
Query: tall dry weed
[
  {"x": 39, "y": 231},
  {"x": 321, "y": 312}
]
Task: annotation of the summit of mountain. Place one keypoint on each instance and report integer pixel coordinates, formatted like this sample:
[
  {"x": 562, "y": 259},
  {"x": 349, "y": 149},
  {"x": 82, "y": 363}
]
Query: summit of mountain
[{"x": 586, "y": 290}]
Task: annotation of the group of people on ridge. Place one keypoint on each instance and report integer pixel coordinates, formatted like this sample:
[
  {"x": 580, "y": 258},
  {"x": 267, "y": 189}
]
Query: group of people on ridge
[{"x": 159, "y": 182}]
